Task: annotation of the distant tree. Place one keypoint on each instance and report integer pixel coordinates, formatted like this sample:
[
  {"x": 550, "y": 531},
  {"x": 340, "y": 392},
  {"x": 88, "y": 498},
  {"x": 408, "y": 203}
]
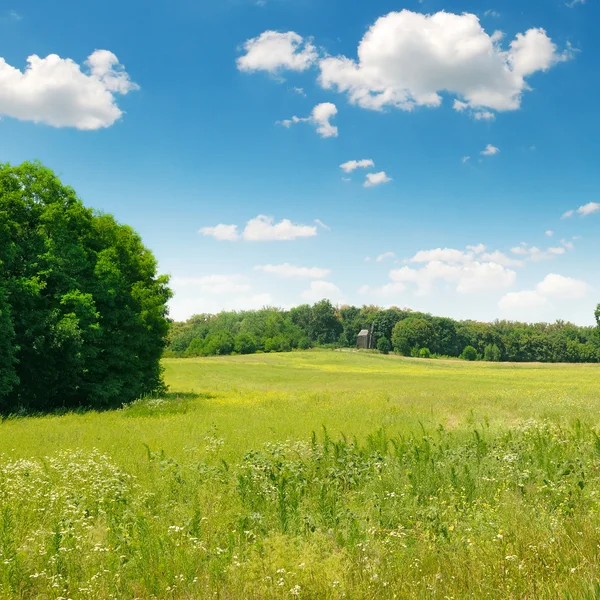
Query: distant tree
[
  {"x": 220, "y": 343},
  {"x": 492, "y": 353},
  {"x": 469, "y": 353},
  {"x": 245, "y": 343},
  {"x": 384, "y": 345},
  {"x": 414, "y": 332},
  {"x": 325, "y": 328}
]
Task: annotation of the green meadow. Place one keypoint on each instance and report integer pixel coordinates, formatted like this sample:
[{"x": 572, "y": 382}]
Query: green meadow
[{"x": 314, "y": 474}]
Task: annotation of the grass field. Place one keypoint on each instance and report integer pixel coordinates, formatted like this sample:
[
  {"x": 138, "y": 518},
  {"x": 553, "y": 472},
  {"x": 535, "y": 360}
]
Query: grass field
[{"x": 312, "y": 475}]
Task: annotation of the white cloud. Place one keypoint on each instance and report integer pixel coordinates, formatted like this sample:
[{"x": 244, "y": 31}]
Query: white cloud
[
  {"x": 465, "y": 159},
  {"x": 320, "y": 117},
  {"x": 567, "y": 288},
  {"x": 57, "y": 92},
  {"x": 574, "y": 3},
  {"x": 534, "y": 254},
  {"x": 407, "y": 59},
  {"x": 213, "y": 284},
  {"x": 221, "y": 232},
  {"x": 467, "y": 278},
  {"x": 553, "y": 287},
  {"x": 491, "y": 13},
  {"x": 484, "y": 115},
  {"x": 351, "y": 165},
  {"x": 478, "y": 115},
  {"x": 319, "y": 290},
  {"x": 322, "y": 225},
  {"x": 522, "y": 300},
  {"x": 261, "y": 229},
  {"x": 588, "y": 209},
  {"x": 264, "y": 229},
  {"x": 500, "y": 258},
  {"x": 385, "y": 256},
  {"x": 490, "y": 150},
  {"x": 549, "y": 233},
  {"x": 477, "y": 249},
  {"x": 374, "y": 179},
  {"x": 568, "y": 214},
  {"x": 287, "y": 270},
  {"x": 273, "y": 51},
  {"x": 300, "y": 91}
]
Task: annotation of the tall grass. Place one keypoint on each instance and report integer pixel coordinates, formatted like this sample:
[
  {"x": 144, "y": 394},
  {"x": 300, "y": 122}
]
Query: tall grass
[{"x": 110, "y": 506}]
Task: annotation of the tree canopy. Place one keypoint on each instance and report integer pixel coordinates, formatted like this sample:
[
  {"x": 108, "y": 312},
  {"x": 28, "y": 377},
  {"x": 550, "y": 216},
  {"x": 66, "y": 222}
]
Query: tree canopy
[{"x": 83, "y": 317}]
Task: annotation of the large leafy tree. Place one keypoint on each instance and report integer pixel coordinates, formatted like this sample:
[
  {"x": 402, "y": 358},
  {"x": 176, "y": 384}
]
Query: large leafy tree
[{"x": 80, "y": 301}]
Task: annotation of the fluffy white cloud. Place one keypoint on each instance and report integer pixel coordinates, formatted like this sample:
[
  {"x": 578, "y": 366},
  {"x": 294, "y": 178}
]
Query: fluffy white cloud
[
  {"x": 490, "y": 150},
  {"x": 587, "y": 209},
  {"x": 553, "y": 287},
  {"x": 273, "y": 51},
  {"x": 264, "y": 229},
  {"x": 352, "y": 165},
  {"x": 472, "y": 270},
  {"x": 58, "y": 92},
  {"x": 557, "y": 286},
  {"x": 468, "y": 278},
  {"x": 406, "y": 59},
  {"x": 319, "y": 290},
  {"x": 288, "y": 270},
  {"x": 320, "y": 117},
  {"x": 213, "y": 284},
  {"x": 261, "y": 229},
  {"x": 522, "y": 300},
  {"x": 385, "y": 256},
  {"x": 374, "y": 179},
  {"x": 222, "y": 232}
]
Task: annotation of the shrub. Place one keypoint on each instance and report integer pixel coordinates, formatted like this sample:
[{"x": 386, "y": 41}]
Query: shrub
[
  {"x": 469, "y": 353},
  {"x": 303, "y": 343},
  {"x": 424, "y": 353},
  {"x": 384, "y": 345}
]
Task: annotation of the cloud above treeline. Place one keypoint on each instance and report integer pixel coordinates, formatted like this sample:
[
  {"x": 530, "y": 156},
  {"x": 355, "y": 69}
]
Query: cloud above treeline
[
  {"x": 409, "y": 59},
  {"x": 260, "y": 229},
  {"x": 58, "y": 92}
]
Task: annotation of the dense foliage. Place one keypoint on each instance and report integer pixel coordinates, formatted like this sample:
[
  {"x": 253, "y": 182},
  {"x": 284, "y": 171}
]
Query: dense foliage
[
  {"x": 82, "y": 311},
  {"x": 406, "y": 332}
]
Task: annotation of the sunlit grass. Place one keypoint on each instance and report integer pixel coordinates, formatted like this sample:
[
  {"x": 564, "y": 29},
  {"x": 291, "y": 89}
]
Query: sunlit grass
[{"x": 312, "y": 475}]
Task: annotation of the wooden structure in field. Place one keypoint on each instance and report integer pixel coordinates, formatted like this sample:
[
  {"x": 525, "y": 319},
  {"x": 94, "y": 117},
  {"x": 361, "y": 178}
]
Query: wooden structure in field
[{"x": 364, "y": 341}]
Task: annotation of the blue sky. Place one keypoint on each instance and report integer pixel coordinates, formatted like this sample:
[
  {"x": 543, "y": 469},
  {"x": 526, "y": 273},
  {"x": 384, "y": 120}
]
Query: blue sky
[{"x": 178, "y": 117}]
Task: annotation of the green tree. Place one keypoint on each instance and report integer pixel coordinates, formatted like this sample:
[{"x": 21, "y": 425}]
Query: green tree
[
  {"x": 469, "y": 353},
  {"x": 492, "y": 353},
  {"x": 85, "y": 305},
  {"x": 414, "y": 332},
  {"x": 245, "y": 343}
]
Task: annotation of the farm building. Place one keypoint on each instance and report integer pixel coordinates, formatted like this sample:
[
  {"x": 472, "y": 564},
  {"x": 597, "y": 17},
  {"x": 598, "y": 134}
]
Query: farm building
[{"x": 364, "y": 340}]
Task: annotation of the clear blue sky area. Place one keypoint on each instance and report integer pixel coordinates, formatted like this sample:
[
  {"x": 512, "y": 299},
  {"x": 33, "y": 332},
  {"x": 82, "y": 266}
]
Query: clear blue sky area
[{"x": 218, "y": 130}]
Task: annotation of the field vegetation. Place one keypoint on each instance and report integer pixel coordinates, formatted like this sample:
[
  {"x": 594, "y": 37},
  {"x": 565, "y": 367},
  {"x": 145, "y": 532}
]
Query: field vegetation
[{"x": 315, "y": 474}]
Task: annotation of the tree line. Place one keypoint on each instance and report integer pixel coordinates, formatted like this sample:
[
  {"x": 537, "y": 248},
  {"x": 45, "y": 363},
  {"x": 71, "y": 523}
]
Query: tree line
[
  {"x": 400, "y": 330},
  {"x": 83, "y": 313}
]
